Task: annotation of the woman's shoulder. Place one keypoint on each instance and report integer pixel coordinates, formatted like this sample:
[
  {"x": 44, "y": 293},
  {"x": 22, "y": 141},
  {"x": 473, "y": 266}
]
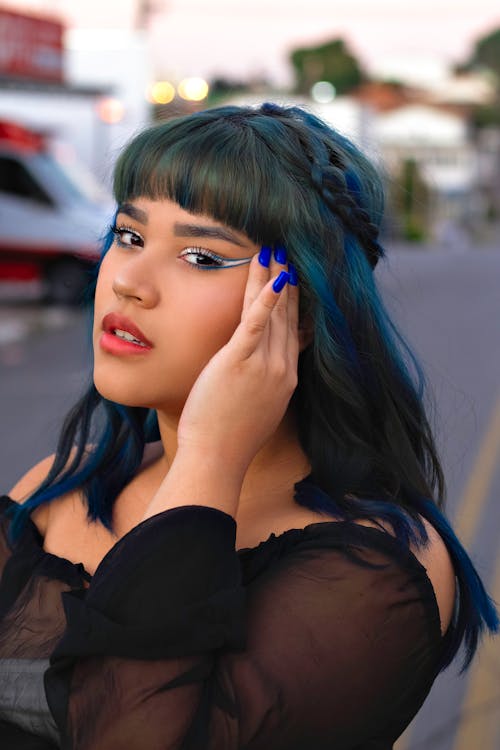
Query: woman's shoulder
[
  {"x": 33, "y": 478},
  {"x": 27, "y": 484},
  {"x": 436, "y": 560},
  {"x": 433, "y": 556}
]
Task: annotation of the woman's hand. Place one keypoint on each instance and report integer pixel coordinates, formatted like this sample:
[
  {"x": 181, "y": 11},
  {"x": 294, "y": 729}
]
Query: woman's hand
[{"x": 242, "y": 394}]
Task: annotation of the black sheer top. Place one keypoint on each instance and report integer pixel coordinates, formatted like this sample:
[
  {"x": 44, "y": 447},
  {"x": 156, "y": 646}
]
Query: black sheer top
[{"x": 323, "y": 638}]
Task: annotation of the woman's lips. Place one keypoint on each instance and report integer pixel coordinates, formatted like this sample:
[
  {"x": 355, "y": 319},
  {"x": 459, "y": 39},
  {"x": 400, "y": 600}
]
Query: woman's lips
[
  {"x": 121, "y": 336},
  {"x": 114, "y": 345}
]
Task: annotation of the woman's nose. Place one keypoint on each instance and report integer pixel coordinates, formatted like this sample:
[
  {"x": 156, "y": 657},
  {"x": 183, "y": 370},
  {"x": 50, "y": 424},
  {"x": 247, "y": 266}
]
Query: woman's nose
[{"x": 133, "y": 282}]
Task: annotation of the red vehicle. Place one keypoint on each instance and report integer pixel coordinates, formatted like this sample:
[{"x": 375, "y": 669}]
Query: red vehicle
[{"x": 52, "y": 214}]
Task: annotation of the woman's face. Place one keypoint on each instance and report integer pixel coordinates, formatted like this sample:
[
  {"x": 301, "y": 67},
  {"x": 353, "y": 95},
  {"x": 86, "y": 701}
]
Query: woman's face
[{"x": 159, "y": 283}]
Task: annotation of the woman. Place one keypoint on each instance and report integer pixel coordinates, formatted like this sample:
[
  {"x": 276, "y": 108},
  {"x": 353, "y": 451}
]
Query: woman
[{"x": 238, "y": 542}]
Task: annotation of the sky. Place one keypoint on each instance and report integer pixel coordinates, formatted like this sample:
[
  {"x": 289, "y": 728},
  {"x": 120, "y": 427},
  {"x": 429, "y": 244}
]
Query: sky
[{"x": 244, "y": 38}]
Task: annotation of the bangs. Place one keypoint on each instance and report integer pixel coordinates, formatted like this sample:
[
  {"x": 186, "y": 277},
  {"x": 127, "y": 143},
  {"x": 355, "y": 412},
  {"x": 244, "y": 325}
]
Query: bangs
[{"x": 220, "y": 168}]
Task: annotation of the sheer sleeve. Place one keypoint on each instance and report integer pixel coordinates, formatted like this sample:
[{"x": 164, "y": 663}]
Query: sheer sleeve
[
  {"x": 31, "y": 624},
  {"x": 333, "y": 641}
]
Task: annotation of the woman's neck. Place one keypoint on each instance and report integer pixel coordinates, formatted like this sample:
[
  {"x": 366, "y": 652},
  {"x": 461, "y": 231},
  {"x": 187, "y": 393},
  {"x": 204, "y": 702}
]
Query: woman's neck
[{"x": 269, "y": 480}]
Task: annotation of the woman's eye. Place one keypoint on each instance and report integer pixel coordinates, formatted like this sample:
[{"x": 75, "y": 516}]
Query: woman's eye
[
  {"x": 201, "y": 258},
  {"x": 198, "y": 257},
  {"x": 126, "y": 237}
]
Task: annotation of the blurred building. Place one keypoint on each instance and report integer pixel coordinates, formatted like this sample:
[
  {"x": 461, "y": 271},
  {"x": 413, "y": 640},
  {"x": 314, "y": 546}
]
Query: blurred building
[
  {"x": 86, "y": 92},
  {"x": 116, "y": 61},
  {"x": 430, "y": 126},
  {"x": 441, "y": 146}
]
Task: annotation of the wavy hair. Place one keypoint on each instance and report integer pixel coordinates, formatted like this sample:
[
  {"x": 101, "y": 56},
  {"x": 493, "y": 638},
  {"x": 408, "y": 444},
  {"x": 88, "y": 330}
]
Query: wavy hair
[{"x": 281, "y": 175}]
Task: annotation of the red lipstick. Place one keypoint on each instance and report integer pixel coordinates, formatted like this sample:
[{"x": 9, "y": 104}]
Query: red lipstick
[{"x": 121, "y": 336}]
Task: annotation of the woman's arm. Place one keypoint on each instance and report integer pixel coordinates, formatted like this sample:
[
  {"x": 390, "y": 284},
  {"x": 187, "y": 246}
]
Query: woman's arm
[{"x": 199, "y": 478}]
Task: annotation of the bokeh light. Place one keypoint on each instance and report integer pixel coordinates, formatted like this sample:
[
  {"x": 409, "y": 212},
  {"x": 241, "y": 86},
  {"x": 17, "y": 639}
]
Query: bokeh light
[
  {"x": 323, "y": 92},
  {"x": 193, "y": 89},
  {"x": 161, "y": 92},
  {"x": 110, "y": 110}
]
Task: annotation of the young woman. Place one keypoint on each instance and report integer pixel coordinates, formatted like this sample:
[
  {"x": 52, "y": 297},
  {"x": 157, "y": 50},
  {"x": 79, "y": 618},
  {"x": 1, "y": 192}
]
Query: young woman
[{"x": 239, "y": 542}]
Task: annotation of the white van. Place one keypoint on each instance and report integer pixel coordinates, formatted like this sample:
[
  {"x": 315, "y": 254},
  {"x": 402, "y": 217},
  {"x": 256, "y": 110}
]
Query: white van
[{"x": 52, "y": 214}]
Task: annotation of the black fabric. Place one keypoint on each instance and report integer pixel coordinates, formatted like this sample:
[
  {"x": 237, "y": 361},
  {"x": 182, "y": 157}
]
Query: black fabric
[
  {"x": 323, "y": 637},
  {"x": 14, "y": 738}
]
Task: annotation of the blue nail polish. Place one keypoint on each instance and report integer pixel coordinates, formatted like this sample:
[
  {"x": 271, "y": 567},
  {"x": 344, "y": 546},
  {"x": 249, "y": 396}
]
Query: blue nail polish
[
  {"x": 281, "y": 281},
  {"x": 280, "y": 255},
  {"x": 293, "y": 274},
  {"x": 265, "y": 256}
]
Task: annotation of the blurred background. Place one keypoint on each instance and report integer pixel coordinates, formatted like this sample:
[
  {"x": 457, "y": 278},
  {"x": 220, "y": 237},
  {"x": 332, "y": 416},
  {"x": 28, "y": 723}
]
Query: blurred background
[{"x": 416, "y": 85}]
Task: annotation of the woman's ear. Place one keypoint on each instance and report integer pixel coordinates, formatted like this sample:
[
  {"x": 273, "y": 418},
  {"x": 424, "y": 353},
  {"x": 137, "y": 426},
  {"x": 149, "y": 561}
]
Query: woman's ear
[{"x": 306, "y": 332}]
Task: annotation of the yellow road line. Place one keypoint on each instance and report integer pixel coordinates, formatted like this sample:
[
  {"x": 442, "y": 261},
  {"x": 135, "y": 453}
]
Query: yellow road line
[
  {"x": 478, "y": 724},
  {"x": 481, "y": 684},
  {"x": 470, "y": 507},
  {"x": 480, "y": 716}
]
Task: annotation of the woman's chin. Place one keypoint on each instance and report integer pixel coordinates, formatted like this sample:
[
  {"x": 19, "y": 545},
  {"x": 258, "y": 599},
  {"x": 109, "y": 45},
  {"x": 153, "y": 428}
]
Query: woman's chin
[
  {"x": 120, "y": 393},
  {"x": 134, "y": 396}
]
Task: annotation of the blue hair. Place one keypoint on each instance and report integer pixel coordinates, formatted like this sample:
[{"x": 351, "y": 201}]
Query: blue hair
[{"x": 281, "y": 175}]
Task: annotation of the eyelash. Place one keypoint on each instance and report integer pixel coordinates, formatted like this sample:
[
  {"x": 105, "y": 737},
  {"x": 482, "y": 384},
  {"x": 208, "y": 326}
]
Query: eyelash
[{"x": 202, "y": 251}]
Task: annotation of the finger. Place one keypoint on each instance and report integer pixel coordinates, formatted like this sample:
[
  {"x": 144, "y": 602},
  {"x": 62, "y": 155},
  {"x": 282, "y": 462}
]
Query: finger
[
  {"x": 278, "y": 329},
  {"x": 253, "y": 330},
  {"x": 278, "y": 264},
  {"x": 293, "y": 317},
  {"x": 258, "y": 276},
  {"x": 278, "y": 323}
]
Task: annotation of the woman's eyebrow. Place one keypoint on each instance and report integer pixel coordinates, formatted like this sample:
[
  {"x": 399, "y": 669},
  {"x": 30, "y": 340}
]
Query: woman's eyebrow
[
  {"x": 185, "y": 230},
  {"x": 202, "y": 230},
  {"x": 135, "y": 213}
]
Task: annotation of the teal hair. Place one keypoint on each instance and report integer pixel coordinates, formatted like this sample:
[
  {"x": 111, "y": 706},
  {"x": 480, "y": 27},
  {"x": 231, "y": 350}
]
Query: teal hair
[{"x": 281, "y": 175}]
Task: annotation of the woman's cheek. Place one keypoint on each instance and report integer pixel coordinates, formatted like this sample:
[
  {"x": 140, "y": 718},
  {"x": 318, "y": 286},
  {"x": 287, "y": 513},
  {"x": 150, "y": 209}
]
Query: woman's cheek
[
  {"x": 223, "y": 310},
  {"x": 211, "y": 327},
  {"x": 104, "y": 284}
]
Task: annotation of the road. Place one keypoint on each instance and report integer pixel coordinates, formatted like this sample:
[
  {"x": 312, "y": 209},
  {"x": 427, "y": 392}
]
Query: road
[{"x": 448, "y": 307}]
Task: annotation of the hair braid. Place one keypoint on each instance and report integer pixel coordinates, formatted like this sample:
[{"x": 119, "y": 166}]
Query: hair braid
[
  {"x": 353, "y": 216},
  {"x": 332, "y": 179}
]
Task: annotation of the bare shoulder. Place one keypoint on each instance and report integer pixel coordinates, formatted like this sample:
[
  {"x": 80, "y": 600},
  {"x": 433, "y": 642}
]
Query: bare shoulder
[
  {"x": 436, "y": 560},
  {"x": 28, "y": 484},
  {"x": 51, "y": 512},
  {"x": 30, "y": 481}
]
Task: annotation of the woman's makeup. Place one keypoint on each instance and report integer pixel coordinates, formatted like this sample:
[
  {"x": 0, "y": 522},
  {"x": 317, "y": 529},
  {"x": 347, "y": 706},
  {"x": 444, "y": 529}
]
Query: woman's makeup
[{"x": 211, "y": 261}]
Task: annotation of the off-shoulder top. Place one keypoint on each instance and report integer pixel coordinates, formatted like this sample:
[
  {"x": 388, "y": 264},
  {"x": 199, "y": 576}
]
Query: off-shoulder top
[{"x": 320, "y": 638}]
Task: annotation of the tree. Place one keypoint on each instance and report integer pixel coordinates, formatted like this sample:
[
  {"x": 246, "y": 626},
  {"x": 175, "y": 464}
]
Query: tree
[
  {"x": 487, "y": 52},
  {"x": 332, "y": 62},
  {"x": 410, "y": 203}
]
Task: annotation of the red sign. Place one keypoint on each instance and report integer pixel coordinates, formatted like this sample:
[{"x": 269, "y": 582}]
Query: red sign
[{"x": 31, "y": 48}]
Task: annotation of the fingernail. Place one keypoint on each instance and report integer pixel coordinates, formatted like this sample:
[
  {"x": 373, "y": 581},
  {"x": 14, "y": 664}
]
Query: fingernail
[
  {"x": 281, "y": 281},
  {"x": 280, "y": 255},
  {"x": 265, "y": 256},
  {"x": 293, "y": 274}
]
